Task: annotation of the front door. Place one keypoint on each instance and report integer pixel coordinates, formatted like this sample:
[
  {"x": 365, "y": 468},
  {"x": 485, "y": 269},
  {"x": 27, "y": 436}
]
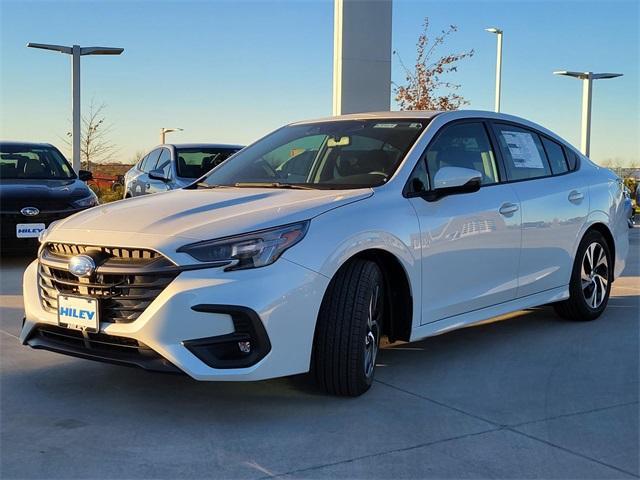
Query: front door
[
  {"x": 155, "y": 185},
  {"x": 143, "y": 184},
  {"x": 470, "y": 242}
]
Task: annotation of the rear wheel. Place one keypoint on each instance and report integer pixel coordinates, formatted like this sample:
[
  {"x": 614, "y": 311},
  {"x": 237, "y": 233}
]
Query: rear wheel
[
  {"x": 349, "y": 327},
  {"x": 591, "y": 279}
]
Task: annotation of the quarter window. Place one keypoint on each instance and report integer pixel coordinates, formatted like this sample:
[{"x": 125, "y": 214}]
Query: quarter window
[
  {"x": 573, "y": 159},
  {"x": 555, "y": 154},
  {"x": 524, "y": 156},
  {"x": 419, "y": 181},
  {"x": 463, "y": 145}
]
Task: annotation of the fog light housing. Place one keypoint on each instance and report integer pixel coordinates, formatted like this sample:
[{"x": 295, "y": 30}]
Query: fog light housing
[{"x": 246, "y": 346}]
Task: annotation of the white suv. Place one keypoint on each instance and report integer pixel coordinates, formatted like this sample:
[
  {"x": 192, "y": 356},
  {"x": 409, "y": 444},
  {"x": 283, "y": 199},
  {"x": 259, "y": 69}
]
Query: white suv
[{"x": 306, "y": 247}]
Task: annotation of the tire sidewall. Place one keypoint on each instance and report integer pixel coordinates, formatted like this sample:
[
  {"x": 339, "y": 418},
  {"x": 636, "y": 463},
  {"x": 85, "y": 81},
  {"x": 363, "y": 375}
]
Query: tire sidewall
[{"x": 376, "y": 280}]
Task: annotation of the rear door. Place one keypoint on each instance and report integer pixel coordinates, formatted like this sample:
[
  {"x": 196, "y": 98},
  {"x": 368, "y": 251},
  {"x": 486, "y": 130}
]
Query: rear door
[
  {"x": 470, "y": 242},
  {"x": 554, "y": 203}
]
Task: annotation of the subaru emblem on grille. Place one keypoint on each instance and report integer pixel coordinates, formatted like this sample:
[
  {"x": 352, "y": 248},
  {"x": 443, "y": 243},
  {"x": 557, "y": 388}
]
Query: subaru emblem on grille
[
  {"x": 30, "y": 211},
  {"x": 82, "y": 266}
]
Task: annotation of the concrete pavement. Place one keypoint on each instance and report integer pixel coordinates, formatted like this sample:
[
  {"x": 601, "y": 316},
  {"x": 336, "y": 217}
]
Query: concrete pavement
[{"x": 529, "y": 396}]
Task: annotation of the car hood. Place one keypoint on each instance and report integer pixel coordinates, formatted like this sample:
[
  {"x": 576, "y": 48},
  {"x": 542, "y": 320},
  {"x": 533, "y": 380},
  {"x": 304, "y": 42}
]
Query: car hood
[
  {"x": 201, "y": 214},
  {"x": 43, "y": 194}
]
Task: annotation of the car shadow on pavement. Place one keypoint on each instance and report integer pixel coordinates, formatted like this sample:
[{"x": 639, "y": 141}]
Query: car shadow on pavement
[{"x": 76, "y": 376}]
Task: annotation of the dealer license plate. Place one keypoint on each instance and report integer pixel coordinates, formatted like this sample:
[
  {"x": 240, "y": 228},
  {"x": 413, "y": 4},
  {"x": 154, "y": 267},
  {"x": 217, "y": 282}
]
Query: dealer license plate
[
  {"x": 79, "y": 313},
  {"x": 29, "y": 230}
]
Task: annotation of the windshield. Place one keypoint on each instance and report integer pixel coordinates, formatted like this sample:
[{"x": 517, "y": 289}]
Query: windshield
[
  {"x": 33, "y": 162},
  {"x": 334, "y": 154},
  {"x": 195, "y": 162}
]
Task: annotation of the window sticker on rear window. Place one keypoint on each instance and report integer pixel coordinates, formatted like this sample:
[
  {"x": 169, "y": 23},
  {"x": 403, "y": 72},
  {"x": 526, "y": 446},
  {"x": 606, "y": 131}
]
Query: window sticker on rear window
[
  {"x": 385, "y": 125},
  {"x": 523, "y": 150}
]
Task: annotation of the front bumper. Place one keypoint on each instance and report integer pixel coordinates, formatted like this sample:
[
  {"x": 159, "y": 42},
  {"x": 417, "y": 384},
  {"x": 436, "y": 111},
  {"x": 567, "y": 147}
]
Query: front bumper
[{"x": 284, "y": 296}]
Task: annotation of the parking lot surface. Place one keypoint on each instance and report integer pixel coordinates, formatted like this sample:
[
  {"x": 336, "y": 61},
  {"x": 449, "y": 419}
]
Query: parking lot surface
[{"x": 525, "y": 396}]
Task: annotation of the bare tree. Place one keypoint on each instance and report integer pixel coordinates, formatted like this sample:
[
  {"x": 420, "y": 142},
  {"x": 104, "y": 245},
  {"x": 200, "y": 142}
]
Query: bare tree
[
  {"x": 95, "y": 145},
  {"x": 426, "y": 87},
  {"x": 137, "y": 156}
]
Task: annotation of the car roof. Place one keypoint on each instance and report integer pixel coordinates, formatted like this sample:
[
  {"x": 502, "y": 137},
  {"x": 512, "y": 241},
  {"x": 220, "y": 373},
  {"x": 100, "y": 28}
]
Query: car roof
[
  {"x": 404, "y": 114},
  {"x": 446, "y": 116},
  {"x": 26, "y": 144},
  {"x": 203, "y": 145}
]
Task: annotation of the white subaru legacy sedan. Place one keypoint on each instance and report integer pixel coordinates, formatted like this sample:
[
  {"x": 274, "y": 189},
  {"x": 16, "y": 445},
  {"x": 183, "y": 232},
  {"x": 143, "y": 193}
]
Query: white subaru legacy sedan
[{"x": 305, "y": 248}]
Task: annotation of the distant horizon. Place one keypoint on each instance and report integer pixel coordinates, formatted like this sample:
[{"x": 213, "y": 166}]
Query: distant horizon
[{"x": 230, "y": 72}]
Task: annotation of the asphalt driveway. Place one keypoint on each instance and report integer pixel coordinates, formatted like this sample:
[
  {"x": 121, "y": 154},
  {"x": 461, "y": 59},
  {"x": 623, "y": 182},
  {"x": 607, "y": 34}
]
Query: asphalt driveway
[{"x": 529, "y": 396}]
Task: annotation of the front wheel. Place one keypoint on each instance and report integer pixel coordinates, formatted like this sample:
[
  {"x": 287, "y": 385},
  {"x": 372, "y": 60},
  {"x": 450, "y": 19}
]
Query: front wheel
[
  {"x": 591, "y": 279},
  {"x": 349, "y": 327}
]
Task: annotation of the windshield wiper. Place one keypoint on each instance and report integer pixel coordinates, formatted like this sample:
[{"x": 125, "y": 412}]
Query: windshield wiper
[
  {"x": 292, "y": 186},
  {"x": 207, "y": 185}
]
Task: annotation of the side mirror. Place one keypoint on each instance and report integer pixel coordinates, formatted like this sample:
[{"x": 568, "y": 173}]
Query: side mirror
[
  {"x": 454, "y": 180},
  {"x": 158, "y": 175},
  {"x": 85, "y": 175}
]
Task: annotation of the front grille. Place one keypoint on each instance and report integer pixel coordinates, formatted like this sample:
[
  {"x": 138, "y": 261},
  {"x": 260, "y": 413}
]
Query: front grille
[
  {"x": 42, "y": 204},
  {"x": 98, "y": 346},
  {"x": 125, "y": 283},
  {"x": 10, "y": 220},
  {"x": 69, "y": 250},
  {"x": 95, "y": 341}
]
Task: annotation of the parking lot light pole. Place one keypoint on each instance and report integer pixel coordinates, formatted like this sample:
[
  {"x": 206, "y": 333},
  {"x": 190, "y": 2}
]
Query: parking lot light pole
[
  {"x": 76, "y": 51},
  {"x": 587, "y": 82},
  {"x": 164, "y": 131},
  {"x": 498, "y": 32}
]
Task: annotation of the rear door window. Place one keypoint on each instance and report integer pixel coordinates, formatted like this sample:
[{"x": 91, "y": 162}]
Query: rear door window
[{"x": 523, "y": 153}]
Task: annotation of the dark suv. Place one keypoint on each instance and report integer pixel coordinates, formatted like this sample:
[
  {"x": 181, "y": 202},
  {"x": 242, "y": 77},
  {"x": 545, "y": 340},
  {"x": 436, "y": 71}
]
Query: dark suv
[{"x": 37, "y": 187}]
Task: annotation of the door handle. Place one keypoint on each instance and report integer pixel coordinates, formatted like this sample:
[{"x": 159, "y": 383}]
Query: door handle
[
  {"x": 508, "y": 209},
  {"x": 575, "y": 196}
]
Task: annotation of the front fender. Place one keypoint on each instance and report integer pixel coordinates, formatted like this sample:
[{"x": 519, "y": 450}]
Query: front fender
[{"x": 381, "y": 222}]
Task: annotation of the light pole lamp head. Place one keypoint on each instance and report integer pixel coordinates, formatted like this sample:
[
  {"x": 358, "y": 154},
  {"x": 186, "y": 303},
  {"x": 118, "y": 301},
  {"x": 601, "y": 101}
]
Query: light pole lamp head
[
  {"x": 587, "y": 75},
  {"x": 101, "y": 51},
  {"x": 83, "y": 50},
  {"x": 49, "y": 46},
  {"x": 494, "y": 30}
]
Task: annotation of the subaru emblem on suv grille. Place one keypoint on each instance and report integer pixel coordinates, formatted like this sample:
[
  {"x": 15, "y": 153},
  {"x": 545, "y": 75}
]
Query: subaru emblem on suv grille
[
  {"x": 82, "y": 265},
  {"x": 30, "y": 211}
]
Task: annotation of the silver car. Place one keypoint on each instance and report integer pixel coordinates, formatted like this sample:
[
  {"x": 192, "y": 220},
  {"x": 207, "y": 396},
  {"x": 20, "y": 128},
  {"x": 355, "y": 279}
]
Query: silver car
[{"x": 172, "y": 166}]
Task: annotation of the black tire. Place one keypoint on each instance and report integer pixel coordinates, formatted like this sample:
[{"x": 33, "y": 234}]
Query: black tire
[
  {"x": 580, "y": 306},
  {"x": 344, "y": 338}
]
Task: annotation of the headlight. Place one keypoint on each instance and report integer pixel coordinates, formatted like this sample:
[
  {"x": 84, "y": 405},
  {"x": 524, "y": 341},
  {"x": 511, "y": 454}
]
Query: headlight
[
  {"x": 249, "y": 250},
  {"x": 90, "y": 201}
]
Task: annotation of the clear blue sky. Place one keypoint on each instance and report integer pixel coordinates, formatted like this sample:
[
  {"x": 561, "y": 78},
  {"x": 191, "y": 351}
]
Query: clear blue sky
[{"x": 232, "y": 71}]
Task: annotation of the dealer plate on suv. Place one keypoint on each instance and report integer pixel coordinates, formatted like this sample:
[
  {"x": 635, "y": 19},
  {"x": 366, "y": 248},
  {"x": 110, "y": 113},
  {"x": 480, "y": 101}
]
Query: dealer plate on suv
[
  {"x": 79, "y": 313},
  {"x": 29, "y": 230}
]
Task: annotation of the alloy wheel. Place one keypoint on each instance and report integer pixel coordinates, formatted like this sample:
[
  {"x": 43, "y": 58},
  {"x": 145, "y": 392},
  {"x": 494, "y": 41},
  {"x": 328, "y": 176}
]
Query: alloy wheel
[
  {"x": 594, "y": 275},
  {"x": 372, "y": 331}
]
